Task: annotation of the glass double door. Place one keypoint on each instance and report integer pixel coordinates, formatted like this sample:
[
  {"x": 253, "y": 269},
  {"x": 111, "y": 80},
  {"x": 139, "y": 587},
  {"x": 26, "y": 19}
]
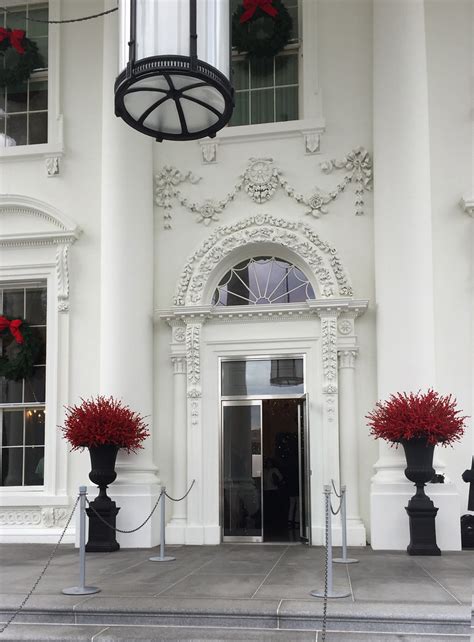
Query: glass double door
[{"x": 265, "y": 489}]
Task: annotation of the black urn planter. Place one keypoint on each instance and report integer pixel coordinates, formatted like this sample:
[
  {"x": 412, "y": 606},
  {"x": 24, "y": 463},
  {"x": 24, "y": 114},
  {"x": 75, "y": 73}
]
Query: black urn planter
[
  {"x": 102, "y": 510},
  {"x": 420, "y": 509}
]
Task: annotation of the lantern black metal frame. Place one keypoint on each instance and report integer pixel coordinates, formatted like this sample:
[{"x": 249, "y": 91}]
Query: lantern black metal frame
[{"x": 203, "y": 75}]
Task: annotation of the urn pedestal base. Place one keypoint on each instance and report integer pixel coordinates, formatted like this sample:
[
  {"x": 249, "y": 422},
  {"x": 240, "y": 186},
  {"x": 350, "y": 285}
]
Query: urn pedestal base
[
  {"x": 422, "y": 513},
  {"x": 101, "y": 537}
]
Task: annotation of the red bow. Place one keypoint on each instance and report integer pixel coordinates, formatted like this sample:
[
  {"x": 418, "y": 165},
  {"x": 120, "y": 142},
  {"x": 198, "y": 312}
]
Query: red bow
[
  {"x": 251, "y": 7},
  {"x": 14, "y": 327},
  {"x": 15, "y": 37}
]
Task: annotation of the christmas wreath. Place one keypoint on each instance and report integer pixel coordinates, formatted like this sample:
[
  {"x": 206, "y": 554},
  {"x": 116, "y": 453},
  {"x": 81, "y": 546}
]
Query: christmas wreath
[
  {"x": 21, "y": 57},
  {"x": 23, "y": 349},
  {"x": 261, "y": 28}
]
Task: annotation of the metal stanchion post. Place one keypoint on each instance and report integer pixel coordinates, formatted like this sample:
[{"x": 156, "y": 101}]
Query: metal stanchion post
[
  {"x": 82, "y": 589},
  {"x": 344, "y": 559},
  {"x": 162, "y": 557},
  {"x": 330, "y": 593}
]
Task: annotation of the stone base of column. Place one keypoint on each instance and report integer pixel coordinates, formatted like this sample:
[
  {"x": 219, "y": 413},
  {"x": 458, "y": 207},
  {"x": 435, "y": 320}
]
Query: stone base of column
[
  {"x": 389, "y": 524},
  {"x": 136, "y": 502},
  {"x": 176, "y": 531}
]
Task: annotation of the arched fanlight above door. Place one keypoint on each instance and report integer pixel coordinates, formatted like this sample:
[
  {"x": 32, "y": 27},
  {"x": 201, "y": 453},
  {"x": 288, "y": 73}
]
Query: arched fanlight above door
[{"x": 263, "y": 280}]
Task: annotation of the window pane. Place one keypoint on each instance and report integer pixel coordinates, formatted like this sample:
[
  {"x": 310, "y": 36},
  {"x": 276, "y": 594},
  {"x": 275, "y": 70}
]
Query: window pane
[
  {"x": 286, "y": 70},
  {"x": 35, "y": 385},
  {"x": 3, "y": 93},
  {"x": 12, "y": 429},
  {"x": 36, "y": 306},
  {"x": 38, "y": 128},
  {"x": 262, "y": 106},
  {"x": 261, "y": 73},
  {"x": 262, "y": 377},
  {"x": 36, "y": 29},
  {"x": 34, "y": 466},
  {"x": 241, "y": 111},
  {"x": 16, "y": 19},
  {"x": 34, "y": 427},
  {"x": 38, "y": 95},
  {"x": 17, "y": 98},
  {"x": 43, "y": 49},
  {"x": 41, "y": 334},
  {"x": 11, "y": 391},
  {"x": 12, "y": 467},
  {"x": 16, "y": 129},
  {"x": 241, "y": 74},
  {"x": 14, "y": 303},
  {"x": 286, "y": 103},
  {"x": 293, "y": 11}
]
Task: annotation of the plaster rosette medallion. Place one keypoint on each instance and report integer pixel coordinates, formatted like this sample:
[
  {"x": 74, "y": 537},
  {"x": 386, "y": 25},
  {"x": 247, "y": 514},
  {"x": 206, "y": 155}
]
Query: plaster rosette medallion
[
  {"x": 260, "y": 181},
  {"x": 322, "y": 260}
]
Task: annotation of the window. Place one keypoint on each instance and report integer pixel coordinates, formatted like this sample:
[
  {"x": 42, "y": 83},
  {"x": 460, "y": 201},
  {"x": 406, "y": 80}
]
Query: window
[
  {"x": 266, "y": 91},
  {"x": 24, "y": 108},
  {"x": 22, "y": 403},
  {"x": 263, "y": 280}
]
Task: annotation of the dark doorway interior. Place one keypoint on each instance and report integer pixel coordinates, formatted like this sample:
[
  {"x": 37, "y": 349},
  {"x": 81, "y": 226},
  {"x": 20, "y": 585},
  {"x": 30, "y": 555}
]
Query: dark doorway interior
[{"x": 281, "y": 494}]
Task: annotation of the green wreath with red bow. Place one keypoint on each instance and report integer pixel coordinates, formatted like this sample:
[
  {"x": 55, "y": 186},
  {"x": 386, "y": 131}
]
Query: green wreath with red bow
[
  {"x": 261, "y": 28},
  {"x": 20, "y": 353},
  {"x": 21, "y": 57}
]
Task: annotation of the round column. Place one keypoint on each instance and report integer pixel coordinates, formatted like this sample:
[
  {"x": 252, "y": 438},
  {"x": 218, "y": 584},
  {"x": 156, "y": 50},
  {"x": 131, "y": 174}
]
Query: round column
[
  {"x": 403, "y": 239},
  {"x": 126, "y": 303},
  {"x": 176, "y": 528},
  {"x": 349, "y": 445}
]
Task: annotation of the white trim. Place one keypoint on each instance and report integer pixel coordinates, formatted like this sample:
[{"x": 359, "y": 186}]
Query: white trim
[{"x": 268, "y": 131}]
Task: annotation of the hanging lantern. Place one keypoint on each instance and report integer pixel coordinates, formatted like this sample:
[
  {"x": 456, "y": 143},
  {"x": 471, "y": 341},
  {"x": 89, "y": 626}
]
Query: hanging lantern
[
  {"x": 175, "y": 57},
  {"x": 286, "y": 372}
]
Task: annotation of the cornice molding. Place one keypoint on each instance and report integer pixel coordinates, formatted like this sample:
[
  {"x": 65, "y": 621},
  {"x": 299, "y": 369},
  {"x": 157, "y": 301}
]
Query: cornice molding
[
  {"x": 200, "y": 314},
  {"x": 321, "y": 259},
  {"x": 26, "y": 206}
]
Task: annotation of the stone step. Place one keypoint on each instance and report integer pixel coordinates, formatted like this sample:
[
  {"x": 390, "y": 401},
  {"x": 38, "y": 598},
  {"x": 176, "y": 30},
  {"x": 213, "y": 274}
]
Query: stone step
[
  {"x": 283, "y": 615},
  {"x": 95, "y": 633}
]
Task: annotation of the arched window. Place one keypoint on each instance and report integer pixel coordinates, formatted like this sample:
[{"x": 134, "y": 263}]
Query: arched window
[{"x": 263, "y": 280}]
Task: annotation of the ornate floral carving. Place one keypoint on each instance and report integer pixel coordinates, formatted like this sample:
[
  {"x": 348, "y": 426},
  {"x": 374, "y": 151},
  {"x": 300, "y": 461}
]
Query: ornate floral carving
[
  {"x": 179, "y": 364},
  {"x": 208, "y": 212},
  {"x": 345, "y": 326},
  {"x": 194, "y": 412},
  {"x": 359, "y": 171},
  {"x": 312, "y": 142},
  {"x": 62, "y": 273},
  {"x": 322, "y": 259},
  {"x": 260, "y": 180},
  {"x": 179, "y": 334},
  {"x": 166, "y": 188},
  {"x": 329, "y": 353},
  {"x": 52, "y": 166},
  {"x": 47, "y": 517},
  {"x": 193, "y": 357},
  {"x": 209, "y": 152},
  {"x": 347, "y": 358}
]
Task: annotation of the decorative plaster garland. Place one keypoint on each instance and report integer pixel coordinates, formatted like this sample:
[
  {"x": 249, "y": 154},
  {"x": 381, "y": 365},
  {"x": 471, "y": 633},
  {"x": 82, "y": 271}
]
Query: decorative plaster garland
[{"x": 260, "y": 180}]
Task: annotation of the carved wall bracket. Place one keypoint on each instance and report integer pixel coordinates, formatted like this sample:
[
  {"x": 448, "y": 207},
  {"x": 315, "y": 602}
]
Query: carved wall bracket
[{"x": 260, "y": 181}]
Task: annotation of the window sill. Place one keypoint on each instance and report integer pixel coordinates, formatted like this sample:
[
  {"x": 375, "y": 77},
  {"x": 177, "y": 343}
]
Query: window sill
[
  {"x": 25, "y": 498},
  {"x": 310, "y": 130},
  {"x": 266, "y": 131},
  {"x": 30, "y": 152}
]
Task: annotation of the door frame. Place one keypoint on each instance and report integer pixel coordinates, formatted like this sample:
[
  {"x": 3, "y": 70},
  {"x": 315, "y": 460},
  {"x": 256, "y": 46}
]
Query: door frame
[{"x": 247, "y": 400}]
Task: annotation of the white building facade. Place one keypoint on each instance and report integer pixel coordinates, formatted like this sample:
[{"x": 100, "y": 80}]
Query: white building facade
[{"x": 152, "y": 270}]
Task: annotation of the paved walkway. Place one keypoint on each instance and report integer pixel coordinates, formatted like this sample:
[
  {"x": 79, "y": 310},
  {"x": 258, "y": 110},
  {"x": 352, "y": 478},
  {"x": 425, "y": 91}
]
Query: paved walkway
[{"x": 217, "y": 592}]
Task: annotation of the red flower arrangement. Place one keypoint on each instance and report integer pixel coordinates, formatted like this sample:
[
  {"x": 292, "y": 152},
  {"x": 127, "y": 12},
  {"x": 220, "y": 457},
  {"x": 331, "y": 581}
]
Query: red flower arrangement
[
  {"x": 104, "y": 421},
  {"x": 421, "y": 415}
]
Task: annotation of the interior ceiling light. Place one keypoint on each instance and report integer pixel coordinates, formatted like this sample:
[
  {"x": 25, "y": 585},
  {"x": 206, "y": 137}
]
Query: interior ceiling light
[{"x": 175, "y": 57}]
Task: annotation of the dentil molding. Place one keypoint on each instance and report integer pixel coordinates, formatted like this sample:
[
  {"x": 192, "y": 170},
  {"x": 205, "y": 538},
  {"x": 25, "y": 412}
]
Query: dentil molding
[
  {"x": 260, "y": 180},
  {"x": 322, "y": 259}
]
